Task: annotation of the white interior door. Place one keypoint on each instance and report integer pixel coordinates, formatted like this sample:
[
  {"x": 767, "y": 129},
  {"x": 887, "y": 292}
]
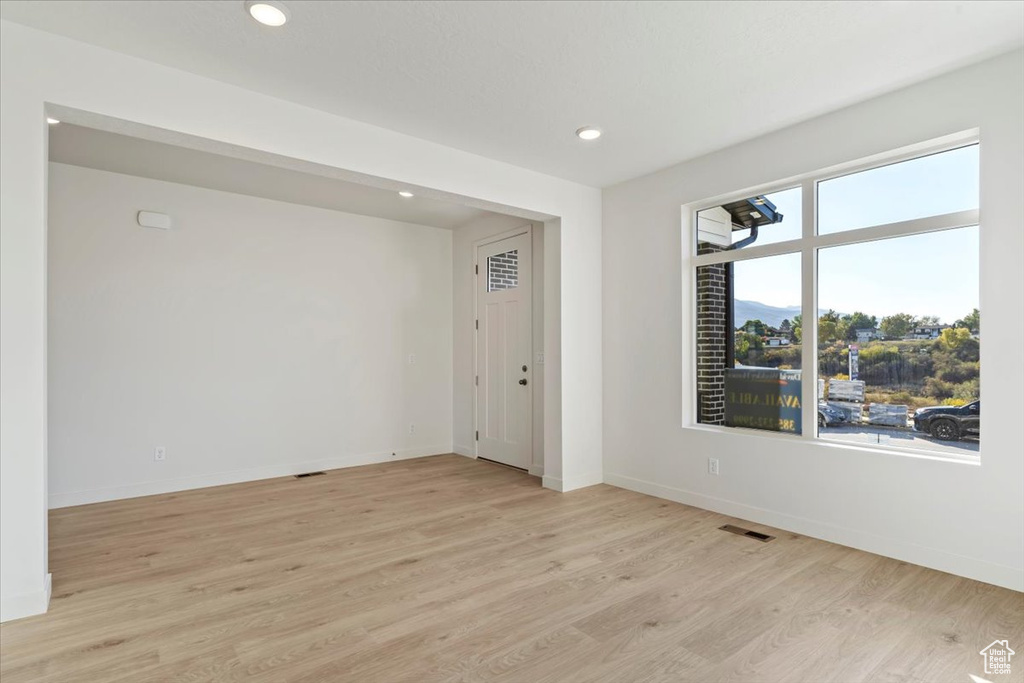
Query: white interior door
[{"x": 503, "y": 351}]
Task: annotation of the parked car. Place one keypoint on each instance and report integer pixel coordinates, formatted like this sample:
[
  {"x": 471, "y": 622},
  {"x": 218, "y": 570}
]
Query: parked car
[
  {"x": 829, "y": 415},
  {"x": 949, "y": 423}
]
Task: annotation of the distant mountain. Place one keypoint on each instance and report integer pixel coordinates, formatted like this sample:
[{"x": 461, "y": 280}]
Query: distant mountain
[{"x": 769, "y": 315}]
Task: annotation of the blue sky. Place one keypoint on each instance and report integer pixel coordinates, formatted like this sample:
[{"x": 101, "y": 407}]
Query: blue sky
[{"x": 932, "y": 274}]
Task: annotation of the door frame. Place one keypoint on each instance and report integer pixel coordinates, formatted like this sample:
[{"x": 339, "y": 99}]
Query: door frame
[{"x": 525, "y": 229}]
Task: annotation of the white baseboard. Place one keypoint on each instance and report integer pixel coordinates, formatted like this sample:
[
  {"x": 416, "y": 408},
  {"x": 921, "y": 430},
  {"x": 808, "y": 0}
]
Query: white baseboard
[
  {"x": 567, "y": 484},
  {"x": 933, "y": 558},
  {"x": 536, "y": 470},
  {"x": 150, "y": 488},
  {"x": 553, "y": 483},
  {"x": 582, "y": 481},
  {"x": 28, "y": 604}
]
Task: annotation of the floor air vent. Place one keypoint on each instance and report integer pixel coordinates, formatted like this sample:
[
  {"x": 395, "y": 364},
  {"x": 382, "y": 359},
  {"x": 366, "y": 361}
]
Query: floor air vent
[
  {"x": 764, "y": 538},
  {"x": 308, "y": 474}
]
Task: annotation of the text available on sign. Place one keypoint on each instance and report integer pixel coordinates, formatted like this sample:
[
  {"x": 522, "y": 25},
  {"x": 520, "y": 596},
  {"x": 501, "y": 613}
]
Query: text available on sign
[{"x": 763, "y": 399}]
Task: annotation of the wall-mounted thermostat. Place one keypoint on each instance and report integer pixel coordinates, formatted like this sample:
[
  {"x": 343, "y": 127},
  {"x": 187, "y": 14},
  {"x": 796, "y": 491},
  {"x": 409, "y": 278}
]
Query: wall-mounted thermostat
[{"x": 151, "y": 219}]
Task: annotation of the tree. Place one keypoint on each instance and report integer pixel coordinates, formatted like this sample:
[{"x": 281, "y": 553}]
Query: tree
[
  {"x": 744, "y": 343},
  {"x": 897, "y": 326},
  {"x": 741, "y": 345},
  {"x": 755, "y": 327},
  {"x": 928, "y": 320},
  {"x": 857, "y": 321},
  {"x": 828, "y": 326},
  {"x": 971, "y": 321},
  {"x": 882, "y": 364},
  {"x": 843, "y": 329},
  {"x": 967, "y": 391},
  {"x": 796, "y": 334},
  {"x": 828, "y": 330},
  {"x": 785, "y": 325},
  {"x": 953, "y": 338}
]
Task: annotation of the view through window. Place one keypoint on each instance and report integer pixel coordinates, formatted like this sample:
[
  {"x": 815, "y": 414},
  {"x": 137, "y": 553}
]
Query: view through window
[{"x": 896, "y": 339}]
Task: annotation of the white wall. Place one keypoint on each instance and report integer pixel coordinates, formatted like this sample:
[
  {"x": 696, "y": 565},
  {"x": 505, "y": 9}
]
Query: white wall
[
  {"x": 552, "y": 362},
  {"x": 40, "y": 70},
  {"x": 962, "y": 518},
  {"x": 254, "y": 339},
  {"x": 464, "y": 279}
]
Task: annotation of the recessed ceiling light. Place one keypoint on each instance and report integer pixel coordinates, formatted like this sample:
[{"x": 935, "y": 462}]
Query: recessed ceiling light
[
  {"x": 267, "y": 12},
  {"x": 588, "y": 133},
  {"x": 406, "y": 194},
  {"x": 52, "y": 121}
]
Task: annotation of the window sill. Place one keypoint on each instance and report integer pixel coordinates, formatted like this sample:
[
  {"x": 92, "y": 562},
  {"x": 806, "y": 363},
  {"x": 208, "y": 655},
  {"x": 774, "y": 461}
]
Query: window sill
[{"x": 825, "y": 442}]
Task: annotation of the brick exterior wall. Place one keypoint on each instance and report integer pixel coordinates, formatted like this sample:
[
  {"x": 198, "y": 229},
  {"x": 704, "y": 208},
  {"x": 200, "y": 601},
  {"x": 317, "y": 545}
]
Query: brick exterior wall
[
  {"x": 712, "y": 336},
  {"x": 503, "y": 271}
]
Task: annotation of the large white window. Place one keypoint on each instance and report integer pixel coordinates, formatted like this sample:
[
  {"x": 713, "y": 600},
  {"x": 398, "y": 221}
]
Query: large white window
[{"x": 845, "y": 306}]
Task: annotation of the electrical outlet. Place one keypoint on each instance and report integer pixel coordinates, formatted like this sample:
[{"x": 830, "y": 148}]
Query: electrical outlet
[
  {"x": 713, "y": 466},
  {"x": 540, "y": 358},
  {"x": 160, "y": 453},
  {"x": 412, "y": 429},
  {"x": 412, "y": 359}
]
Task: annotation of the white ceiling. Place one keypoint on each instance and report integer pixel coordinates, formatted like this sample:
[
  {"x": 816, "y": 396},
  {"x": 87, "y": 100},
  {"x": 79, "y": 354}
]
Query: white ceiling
[
  {"x": 667, "y": 81},
  {"x": 80, "y": 146}
]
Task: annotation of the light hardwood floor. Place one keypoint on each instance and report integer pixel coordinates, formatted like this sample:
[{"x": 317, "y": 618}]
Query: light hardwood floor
[{"x": 448, "y": 569}]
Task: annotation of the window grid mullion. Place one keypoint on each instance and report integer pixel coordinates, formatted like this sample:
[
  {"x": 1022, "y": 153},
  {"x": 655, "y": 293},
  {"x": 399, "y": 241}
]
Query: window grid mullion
[
  {"x": 809, "y": 312},
  {"x": 873, "y": 233}
]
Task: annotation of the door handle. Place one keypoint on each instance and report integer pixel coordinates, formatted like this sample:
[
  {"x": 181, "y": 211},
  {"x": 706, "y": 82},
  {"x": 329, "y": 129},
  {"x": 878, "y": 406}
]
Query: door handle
[{"x": 523, "y": 382}]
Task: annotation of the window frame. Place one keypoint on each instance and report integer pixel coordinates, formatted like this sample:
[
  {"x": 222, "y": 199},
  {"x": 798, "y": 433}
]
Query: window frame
[{"x": 808, "y": 245}]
